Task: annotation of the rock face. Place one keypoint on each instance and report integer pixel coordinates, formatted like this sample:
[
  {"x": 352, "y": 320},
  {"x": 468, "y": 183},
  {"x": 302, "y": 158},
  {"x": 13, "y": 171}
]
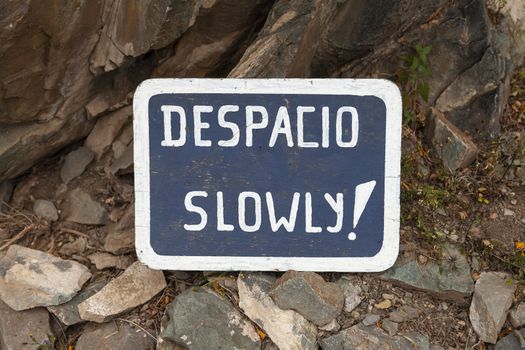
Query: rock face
[
  {"x": 24, "y": 330},
  {"x": 111, "y": 335},
  {"x": 31, "y": 278},
  {"x": 287, "y": 328},
  {"x": 490, "y": 303},
  {"x": 308, "y": 294},
  {"x": 200, "y": 319},
  {"x": 81, "y": 208},
  {"x": 137, "y": 285},
  {"x": 451, "y": 280}
]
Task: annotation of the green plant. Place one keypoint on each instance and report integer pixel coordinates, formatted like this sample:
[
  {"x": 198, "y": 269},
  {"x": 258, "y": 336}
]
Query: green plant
[{"x": 413, "y": 81}]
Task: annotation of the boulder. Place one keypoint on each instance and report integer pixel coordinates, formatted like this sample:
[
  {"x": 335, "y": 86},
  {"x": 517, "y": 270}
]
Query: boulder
[
  {"x": 31, "y": 278},
  {"x": 491, "y": 301},
  {"x": 136, "y": 286},
  {"x": 200, "y": 319},
  {"x": 287, "y": 328},
  {"x": 307, "y": 293}
]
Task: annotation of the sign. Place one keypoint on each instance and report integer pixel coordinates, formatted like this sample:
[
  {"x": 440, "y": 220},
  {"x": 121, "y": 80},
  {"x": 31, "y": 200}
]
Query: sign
[{"x": 267, "y": 174}]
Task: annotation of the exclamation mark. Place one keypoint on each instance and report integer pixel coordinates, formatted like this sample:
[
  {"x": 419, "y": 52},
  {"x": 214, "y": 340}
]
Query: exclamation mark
[{"x": 362, "y": 195}]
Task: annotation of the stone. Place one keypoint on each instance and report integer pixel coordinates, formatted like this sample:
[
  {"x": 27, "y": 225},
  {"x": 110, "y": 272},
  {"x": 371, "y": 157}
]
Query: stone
[
  {"x": 30, "y": 278},
  {"x": 351, "y": 292},
  {"x": 450, "y": 280},
  {"x": 136, "y": 286},
  {"x": 45, "y": 209},
  {"x": 361, "y": 337},
  {"x": 310, "y": 295},
  {"x": 286, "y": 328},
  {"x": 120, "y": 242},
  {"x": 24, "y": 330},
  {"x": 75, "y": 163},
  {"x": 510, "y": 342},
  {"x": 200, "y": 319},
  {"x": 124, "y": 164},
  {"x": 67, "y": 313},
  {"x": 79, "y": 207},
  {"x": 390, "y": 327},
  {"x": 115, "y": 336},
  {"x": 454, "y": 147},
  {"x": 517, "y": 315},
  {"x": 385, "y": 304},
  {"x": 332, "y": 326},
  {"x": 106, "y": 130},
  {"x": 371, "y": 319},
  {"x": 105, "y": 260},
  {"x": 78, "y": 246},
  {"x": 491, "y": 301},
  {"x": 404, "y": 313}
]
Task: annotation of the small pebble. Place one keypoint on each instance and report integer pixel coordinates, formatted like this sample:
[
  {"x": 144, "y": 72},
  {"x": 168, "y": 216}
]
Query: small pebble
[
  {"x": 390, "y": 327},
  {"x": 422, "y": 259},
  {"x": 385, "y": 304},
  {"x": 388, "y": 296},
  {"x": 514, "y": 202},
  {"x": 508, "y": 212}
]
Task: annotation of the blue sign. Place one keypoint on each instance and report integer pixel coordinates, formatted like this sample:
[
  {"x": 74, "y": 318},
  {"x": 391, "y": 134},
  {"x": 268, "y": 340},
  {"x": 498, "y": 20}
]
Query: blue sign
[{"x": 270, "y": 174}]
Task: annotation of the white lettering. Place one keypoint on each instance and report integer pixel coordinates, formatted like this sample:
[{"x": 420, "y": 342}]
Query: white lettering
[
  {"x": 168, "y": 137},
  {"x": 195, "y": 209}
]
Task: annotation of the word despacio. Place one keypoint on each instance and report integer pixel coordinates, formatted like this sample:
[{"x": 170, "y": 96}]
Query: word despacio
[{"x": 250, "y": 120}]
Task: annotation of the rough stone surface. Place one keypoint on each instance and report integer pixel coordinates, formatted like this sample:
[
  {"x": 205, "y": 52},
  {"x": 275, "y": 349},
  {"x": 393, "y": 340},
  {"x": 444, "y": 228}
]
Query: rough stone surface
[
  {"x": 200, "y": 319},
  {"x": 24, "y": 330},
  {"x": 115, "y": 336},
  {"x": 370, "y": 319},
  {"x": 390, "y": 327},
  {"x": 45, "y": 209},
  {"x": 106, "y": 130},
  {"x": 121, "y": 236},
  {"x": 310, "y": 295},
  {"x": 454, "y": 147},
  {"x": 75, "y": 163},
  {"x": 123, "y": 164},
  {"x": 517, "y": 315},
  {"x": 351, "y": 292},
  {"x": 31, "y": 278},
  {"x": 332, "y": 326},
  {"x": 105, "y": 260},
  {"x": 67, "y": 313},
  {"x": 510, "y": 342},
  {"x": 451, "y": 280},
  {"x": 137, "y": 285},
  {"x": 404, "y": 313},
  {"x": 286, "y": 328},
  {"x": 79, "y": 207},
  {"x": 490, "y": 303}
]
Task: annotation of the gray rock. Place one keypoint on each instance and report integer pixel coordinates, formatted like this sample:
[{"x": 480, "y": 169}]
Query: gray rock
[
  {"x": 67, "y": 313},
  {"x": 79, "y": 207},
  {"x": 113, "y": 336},
  {"x": 75, "y": 163},
  {"x": 106, "y": 130},
  {"x": 361, "y": 337},
  {"x": 24, "y": 330},
  {"x": 200, "y": 319},
  {"x": 450, "y": 281},
  {"x": 517, "y": 315},
  {"x": 490, "y": 303},
  {"x": 286, "y": 328},
  {"x": 45, "y": 210},
  {"x": 105, "y": 260},
  {"x": 120, "y": 242},
  {"x": 332, "y": 326},
  {"x": 78, "y": 246},
  {"x": 390, "y": 327},
  {"x": 454, "y": 147},
  {"x": 370, "y": 319},
  {"x": 31, "y": 278},
  {"x": 510, "y": 342},
  {"x": 351, "y": 292},
  {"x": 123, "y": 164},
  {"x": 404, "y": 313},
  {"x": 310, "y": 295},
  {"x": 136, "y": 286}
]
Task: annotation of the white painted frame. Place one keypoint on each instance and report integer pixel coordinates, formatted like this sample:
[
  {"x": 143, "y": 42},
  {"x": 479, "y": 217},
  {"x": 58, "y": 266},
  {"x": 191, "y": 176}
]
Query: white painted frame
[{"x": 384, "y": 89}]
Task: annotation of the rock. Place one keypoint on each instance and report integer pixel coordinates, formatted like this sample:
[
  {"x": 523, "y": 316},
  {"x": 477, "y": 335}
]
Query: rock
[
  {"x": 286, "y": 328},
  {"x": 517, "y": 315},
  {"x": 45, "y": 210},
  {"x": 455, "y": 148},
  {"x": 105, "y": 260},
  {"x": 332, "y": 326},
  {"x": 113, "y": 336},
  {"x": 75, "y": 163},
  {"x": 390, "y": 327},
  {"x": 450, "y": 281},
  {"x": 136, "y": 286},
  {"x": 31, "y": 278},
  {"x": 371, "y": 319},
  {"x": 200, "y": 319},
  {"x": 490, "y": 303},
  {"x": 385, "y": 304},
  {"x": 351, "y": 292},
  {"x": 67, "y": 313},
  {"x": 510, "y": 342},
  {"x": 361, "y": 337},
  {"x": 124, "y": 164},
  {"x": 78, "y": 246},
  {"x": 310, "y": 295},
  {"x": 106, "y": 130},
  {"x": 24, "y": 330},
  {"x": 404, "y": 313},
  {"x": 79, "y": 207},
  {"x": 120, "y": 242}
]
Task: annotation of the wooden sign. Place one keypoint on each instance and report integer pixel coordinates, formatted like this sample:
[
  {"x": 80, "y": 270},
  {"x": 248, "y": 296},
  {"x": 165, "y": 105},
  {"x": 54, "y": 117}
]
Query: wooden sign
[{"x": 267, "y": 174}]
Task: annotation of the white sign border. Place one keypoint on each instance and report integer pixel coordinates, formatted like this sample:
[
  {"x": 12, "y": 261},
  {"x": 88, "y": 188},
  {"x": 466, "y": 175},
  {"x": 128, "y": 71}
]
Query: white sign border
[{"x": 384, "y": 89}]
